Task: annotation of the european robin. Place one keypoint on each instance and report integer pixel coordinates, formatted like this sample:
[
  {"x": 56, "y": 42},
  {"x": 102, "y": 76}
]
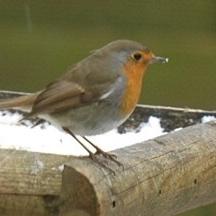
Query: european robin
[{"x": 96, "y": 95}]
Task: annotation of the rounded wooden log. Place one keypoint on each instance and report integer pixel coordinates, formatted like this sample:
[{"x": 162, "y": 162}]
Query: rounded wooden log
[{"x": 164, "y": 176}]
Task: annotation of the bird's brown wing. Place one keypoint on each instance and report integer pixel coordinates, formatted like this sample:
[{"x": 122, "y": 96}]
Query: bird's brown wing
[
  {"x": 63, "y": 95},
  {"x": 84, "y": 83},
  {"x": 58, "y": 96}
]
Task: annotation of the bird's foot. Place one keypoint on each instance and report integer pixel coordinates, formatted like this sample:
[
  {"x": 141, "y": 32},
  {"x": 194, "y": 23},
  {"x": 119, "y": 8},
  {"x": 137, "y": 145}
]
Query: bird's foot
[
  {"x": 94, "y": 158},
  {"x": 109, "y": 156}
]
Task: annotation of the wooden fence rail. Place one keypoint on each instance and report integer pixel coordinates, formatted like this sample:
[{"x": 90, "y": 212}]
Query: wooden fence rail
[{"x": 163, "y": 176}]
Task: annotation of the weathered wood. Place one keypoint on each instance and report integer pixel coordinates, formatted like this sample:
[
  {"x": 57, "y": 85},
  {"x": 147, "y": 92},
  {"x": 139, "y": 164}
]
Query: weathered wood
[
  {"x": 163, "y": 176},
  {"x": 29, "y": 181},
  {"x": 30, "y": 172}
]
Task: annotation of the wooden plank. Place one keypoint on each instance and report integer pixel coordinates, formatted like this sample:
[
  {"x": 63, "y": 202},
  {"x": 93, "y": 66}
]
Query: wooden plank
[
  {"x": 32, "y": 173},
  {"x": 164, "y": 176}
]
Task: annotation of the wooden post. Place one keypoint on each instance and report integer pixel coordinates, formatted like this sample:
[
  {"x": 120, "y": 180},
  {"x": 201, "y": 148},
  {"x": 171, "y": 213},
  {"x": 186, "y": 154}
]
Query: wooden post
[{"x": 164, "y": 176}]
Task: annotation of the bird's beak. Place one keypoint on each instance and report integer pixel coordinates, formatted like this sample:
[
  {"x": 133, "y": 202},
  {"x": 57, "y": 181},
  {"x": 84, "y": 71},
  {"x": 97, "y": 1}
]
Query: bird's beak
[{"x": 158, "y": 59}]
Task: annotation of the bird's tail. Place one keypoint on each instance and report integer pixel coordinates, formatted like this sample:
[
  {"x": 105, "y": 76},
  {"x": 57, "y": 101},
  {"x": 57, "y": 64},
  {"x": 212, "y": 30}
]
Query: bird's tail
[{"x": 23, "y": 103}]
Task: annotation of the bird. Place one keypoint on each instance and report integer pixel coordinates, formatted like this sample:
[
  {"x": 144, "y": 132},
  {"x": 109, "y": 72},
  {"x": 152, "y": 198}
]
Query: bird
[{"x": 95, "y": 95}]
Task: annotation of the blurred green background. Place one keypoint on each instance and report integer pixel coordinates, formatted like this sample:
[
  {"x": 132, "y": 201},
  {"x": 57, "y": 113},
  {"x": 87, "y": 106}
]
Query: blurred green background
[{"x": 40, "y": 39}]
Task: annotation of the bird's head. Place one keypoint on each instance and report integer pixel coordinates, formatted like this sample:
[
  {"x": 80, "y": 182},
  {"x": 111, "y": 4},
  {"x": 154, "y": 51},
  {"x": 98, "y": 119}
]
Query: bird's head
[{"x": 132, "y": 55}]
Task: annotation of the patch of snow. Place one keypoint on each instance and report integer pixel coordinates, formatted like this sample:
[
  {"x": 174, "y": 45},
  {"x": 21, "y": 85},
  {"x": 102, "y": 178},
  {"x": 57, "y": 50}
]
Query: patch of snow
[
  {"x": 178, "y": 129},
  {"x": 61, "y": 167},
  {"x": 207, "y": 118},
  {"x": 51, "y": 140}
]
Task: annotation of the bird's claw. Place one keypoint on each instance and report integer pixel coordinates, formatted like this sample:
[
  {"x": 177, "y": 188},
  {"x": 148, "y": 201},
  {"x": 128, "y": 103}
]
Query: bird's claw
[
  {"x": 96, "y": 160},
  {"x": 109, "y": 156}
]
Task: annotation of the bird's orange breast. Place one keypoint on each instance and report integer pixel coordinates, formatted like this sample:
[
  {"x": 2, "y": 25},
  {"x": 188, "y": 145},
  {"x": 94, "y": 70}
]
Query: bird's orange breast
[{"x": 134, "y": 75}]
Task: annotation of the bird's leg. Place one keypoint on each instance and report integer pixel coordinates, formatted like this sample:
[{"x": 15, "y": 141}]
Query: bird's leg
[
  {"x": 91, "y": 155},
  {"x": 107, "y": 155},
  {"x": 71, "y": 133}
]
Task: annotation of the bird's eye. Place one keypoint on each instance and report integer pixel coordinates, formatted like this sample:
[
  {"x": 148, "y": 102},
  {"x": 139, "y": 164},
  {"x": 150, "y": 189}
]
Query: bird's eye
[{"x": 137, "y": 56}]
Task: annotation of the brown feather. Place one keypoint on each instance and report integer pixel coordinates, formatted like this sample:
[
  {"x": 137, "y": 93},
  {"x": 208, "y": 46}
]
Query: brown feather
[
  {"x": 63, "y": 95},
  {"x": 21, "y": 102},
  {"x": 58, "y": 95}
]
